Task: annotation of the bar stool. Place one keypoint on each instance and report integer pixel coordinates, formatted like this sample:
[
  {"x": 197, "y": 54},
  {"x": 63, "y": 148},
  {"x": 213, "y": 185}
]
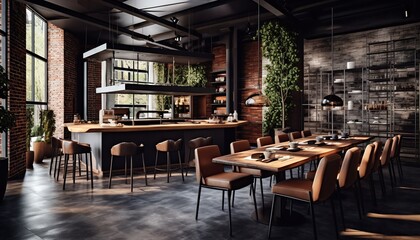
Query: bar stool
[
  {"x": 126, "y": 149},
  {"x": 57, "y": 151},
  {"x": 192, "y": 145},
  {"x": 76, "y": 149},
  {"x": 168, "y": 146}
]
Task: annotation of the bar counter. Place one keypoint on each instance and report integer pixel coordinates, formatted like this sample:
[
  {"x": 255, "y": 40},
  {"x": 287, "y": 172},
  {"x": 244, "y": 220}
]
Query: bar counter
[{"x": 102, "y": 138}]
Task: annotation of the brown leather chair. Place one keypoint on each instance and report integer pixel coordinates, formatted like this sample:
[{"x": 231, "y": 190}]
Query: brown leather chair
[
  {"x": 392, "y": 157},
  {"x": 282, "y": 137},
  {"x": 295, "y": 135},
  {"x": 364, "y": 172},
  {"x": 192, "y": 145},
  {"x": 398, "y": 158},
  {"x": 376, "y": 164},
  {"x": 306, "y": 133},
  {"x": 212, "y": 175},
  {"x": 385, "y": 159},
  {"x": 243, "y": 145},
  {"x": 168, "y": 146},
  {"x": 126, "y": 149},
  {"x": 348, "y": 177},
  {"x": 318, "y": 190},
  {"x": 262, "y": 141},
  {"x": 75, "y": 149}
]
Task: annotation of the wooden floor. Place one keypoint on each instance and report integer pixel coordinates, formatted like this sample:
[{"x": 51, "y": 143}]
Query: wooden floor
[{"x": 37, "y": 208}]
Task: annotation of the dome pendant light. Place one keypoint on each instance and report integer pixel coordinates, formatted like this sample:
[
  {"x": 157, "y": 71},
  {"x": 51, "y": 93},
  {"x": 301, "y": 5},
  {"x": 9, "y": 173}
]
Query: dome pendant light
[{"x": 332, "y": 101}]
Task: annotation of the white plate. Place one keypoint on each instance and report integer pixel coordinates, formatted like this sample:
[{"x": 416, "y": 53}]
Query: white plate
[
  {"x": 339, "y": 80},
  {"x": 350, "y": 122},
  {"x": 358, "y": 122},
  {"x": 356, "y": 91}
]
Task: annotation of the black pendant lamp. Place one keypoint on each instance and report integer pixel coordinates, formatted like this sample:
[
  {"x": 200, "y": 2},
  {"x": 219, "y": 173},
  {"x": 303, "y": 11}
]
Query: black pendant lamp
[{"x": 332, "y": 101}]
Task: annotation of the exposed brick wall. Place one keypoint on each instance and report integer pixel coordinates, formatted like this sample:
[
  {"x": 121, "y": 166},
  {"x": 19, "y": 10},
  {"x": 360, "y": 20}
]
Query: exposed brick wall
[
  {"x": 17, "y": 74},
  {"x": 56, "y": 68},
  {"x": 94, "y": 99},
  {"x": 64, "y": 76},
  {"x": 248, "y": 78},
  {"x": 73, "y": 77}
]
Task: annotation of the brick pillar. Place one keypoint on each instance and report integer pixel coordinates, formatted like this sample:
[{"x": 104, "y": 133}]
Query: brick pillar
[
  {"x": 94, "y": 81},
  {"x": 17, "y": 74}
]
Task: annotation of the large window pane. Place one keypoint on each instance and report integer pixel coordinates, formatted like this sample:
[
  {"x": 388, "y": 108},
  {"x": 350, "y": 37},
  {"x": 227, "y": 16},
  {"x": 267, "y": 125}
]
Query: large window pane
[
  {"x": 40, "y": 36},
  {"x": 29, "y": 85},
  {"x": 40, "y": 81},
  {"x": 28, "y": 30}
]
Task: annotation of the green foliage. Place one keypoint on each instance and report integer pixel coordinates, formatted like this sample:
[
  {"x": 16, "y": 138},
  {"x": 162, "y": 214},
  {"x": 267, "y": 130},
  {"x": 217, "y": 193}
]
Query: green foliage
[
  {"x": 7, "y": 118},
  {"x": 36, "y": 131},
  {"x": 280, "y": 48},
  {"x": 192, "y": 75},
  {"x": 4, "y": 83},
  {"x": 29, "y": 126},
  {"x": 48, "y": 124}
]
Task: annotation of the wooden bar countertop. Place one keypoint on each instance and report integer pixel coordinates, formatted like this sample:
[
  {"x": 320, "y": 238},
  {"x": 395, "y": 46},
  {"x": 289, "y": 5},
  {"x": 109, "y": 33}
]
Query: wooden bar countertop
[{"x": 87, "y": 128}]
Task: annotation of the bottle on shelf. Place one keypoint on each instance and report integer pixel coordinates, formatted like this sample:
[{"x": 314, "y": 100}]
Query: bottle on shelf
[{"x": 235, "y": 115}]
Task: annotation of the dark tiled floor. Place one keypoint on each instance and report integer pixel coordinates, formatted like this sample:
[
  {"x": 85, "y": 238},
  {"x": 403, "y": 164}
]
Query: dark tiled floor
[{"x": 37, "y": 208}]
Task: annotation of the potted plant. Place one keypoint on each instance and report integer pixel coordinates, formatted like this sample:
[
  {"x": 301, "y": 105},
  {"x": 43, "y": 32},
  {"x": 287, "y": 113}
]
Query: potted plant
[
  {"x": 29, "y": 126},
  {"x": 280, "y": 48},
  {"x": 42, "y": 146},
  {"x": 7, "y": 121}
]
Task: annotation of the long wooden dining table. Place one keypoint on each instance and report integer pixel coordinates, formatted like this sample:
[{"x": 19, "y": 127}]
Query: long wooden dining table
[{"x": 282, "y": 158}]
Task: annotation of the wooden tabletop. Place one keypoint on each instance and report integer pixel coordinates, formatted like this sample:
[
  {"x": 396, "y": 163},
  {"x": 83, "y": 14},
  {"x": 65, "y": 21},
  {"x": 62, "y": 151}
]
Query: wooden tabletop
[
  {"x": 288, "y": 159},
  {"x": 84, "y": 128}
]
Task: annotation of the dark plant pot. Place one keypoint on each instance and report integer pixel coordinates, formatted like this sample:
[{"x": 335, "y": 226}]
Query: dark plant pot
[
  {"x": 39, "y": 151},
  {"x": 30, "y": 159},
  {"x": 4, "y": 172}
]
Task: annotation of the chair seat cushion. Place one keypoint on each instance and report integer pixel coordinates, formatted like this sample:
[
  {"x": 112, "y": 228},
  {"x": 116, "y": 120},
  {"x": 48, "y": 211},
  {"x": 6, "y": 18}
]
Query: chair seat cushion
[
  {"x": 229, "y": 180},
  {"x": 255, "y": 172},
  {"x": 295, "y": 188}
]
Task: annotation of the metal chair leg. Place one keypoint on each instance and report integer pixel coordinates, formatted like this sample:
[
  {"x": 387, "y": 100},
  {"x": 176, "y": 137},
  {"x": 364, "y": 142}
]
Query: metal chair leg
[
  {"x": 144, "y": 169},
  {"x": 230, "y": 215},
  {"x": 340, "y": 201},
  {"x": 270, "y": 223},
  {"x": 311, "y": 205},
  {"x": 372, "y": 190},
  {"x": 255, "y": 203},
  {"x": 168, "y": 166},
  {"x": 156, "y": 159},
  {"x": 91, "y": 169},
  {"x": 131, "y": 172},
  {"x": 262, "y": 192},
  {"x": 110, "y": 172},
  {"x": 180, "y": 165},
  {"x": 334, "y": 217},
  {"x": 66, "y": 160},
  {"x": 198, "y": 201}
]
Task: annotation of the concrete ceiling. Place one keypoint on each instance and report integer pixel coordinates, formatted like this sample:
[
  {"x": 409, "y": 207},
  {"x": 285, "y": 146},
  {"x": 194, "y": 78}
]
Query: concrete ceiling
[{"x": 151, "y": 22}]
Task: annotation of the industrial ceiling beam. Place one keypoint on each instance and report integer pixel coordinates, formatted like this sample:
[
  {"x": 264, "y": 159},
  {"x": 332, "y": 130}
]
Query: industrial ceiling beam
[
  {"x": 182, "y": 13},
  {"x": 279, "y": 11},
  {"x": 96, "y": 22},
  {"x": 150, "y": 17}
]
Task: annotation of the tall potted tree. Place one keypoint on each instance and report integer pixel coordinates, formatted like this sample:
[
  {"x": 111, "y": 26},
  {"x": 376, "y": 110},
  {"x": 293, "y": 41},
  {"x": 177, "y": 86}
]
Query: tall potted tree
[
  {"x": 29, "y": 126},
  {"x": 7, "y": 121},
  {"x": 42, "y": 147},
  {"x": 280, "y": 48}
]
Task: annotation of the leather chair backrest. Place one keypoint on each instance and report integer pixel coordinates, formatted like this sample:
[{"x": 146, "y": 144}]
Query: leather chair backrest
[
  {"x": 124, "y": 149},
  {"x": 386, "y": 153},
  {"x": 239, "y": 146},
  {"x": 56, "y": 143},
  {"x": 295, "y": 135},
  {"x": 399, "y": 144},
  {"x": 199, "y": 142},
  {"x": 262, "y": 141},
  {"x": 282, "y": 137},
  {"x": 72, "y": 147},
  {"x": 326, "y": 177},
  {"x": 169, "y": 145},
  {"x": 306, "y": 133},
  {"x": 367, "y": 158},
  {"x": 348, "y": 172},
  {"x": 204, "y": 165},
  {"x": 394, "y": 147},
  {"x": 378, "y": 151}
]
